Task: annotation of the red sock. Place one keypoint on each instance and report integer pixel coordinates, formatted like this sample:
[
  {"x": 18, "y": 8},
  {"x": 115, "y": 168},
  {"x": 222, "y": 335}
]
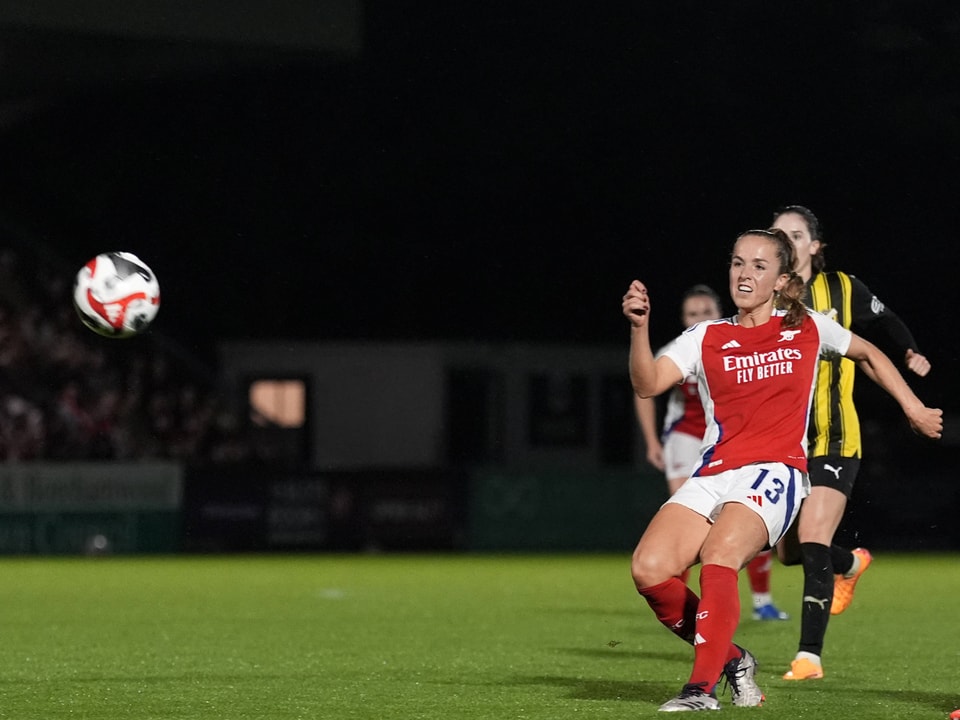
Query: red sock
[
  {"x": 759, "y": 571},
  {"x": 717, "y": 618},
  {"x": 675, "y": 605}
]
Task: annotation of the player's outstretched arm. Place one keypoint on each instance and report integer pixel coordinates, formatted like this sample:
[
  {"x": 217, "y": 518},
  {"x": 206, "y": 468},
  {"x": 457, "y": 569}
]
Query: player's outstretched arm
[
  {"x": 649, "y": 376},
  {"x": 879, "y": 368}
]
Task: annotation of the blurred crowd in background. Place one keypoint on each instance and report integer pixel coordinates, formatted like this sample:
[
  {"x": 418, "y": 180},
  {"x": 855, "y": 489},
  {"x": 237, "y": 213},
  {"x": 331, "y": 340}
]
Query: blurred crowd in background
[{"x": 67, "y": 393}]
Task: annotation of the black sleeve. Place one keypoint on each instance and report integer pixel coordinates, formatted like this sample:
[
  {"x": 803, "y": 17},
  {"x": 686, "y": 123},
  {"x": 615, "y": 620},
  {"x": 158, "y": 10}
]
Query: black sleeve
[{"x": 878, "y": 323}]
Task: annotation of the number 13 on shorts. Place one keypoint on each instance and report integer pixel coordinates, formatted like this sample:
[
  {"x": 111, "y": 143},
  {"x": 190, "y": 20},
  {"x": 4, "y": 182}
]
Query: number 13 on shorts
[
  {"x": 775, "y": 494},
  {"x": 771, "y": 486}
]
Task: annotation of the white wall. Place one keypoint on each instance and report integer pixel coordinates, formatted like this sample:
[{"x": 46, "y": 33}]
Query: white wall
[
  {"x": 383, "y": 404},
  {"x": 369, "y": 405}
]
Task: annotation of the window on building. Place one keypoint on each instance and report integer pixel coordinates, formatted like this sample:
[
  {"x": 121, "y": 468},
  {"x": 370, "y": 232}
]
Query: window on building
[{"x": 282, "y": 403}]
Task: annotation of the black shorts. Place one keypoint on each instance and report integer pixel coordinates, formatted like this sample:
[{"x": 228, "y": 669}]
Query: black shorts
[{"x": 834, "y": 472}]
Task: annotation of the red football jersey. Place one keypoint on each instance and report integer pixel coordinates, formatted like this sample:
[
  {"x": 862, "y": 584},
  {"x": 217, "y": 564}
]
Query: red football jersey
[
  {"x": 756, "y": 385},
  {"x": 684, "y": 412}
]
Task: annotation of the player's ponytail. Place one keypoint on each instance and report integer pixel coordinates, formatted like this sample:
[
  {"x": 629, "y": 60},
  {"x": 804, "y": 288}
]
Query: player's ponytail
[{"x": 790, "y": 296}]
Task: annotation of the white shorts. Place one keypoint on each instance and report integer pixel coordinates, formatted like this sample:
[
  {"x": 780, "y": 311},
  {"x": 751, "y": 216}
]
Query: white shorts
[
  {"x": 681, "y": 453},
  {"x": 772, "y": 490}
]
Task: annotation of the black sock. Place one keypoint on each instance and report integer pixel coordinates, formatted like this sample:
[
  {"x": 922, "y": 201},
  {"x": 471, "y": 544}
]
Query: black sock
[
  {"x": 817, "y": 596},
  {"x": 842, "y": 559}
]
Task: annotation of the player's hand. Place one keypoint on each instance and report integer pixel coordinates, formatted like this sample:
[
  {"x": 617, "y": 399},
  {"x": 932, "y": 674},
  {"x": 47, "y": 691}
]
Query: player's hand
[
  {"x": 655, "y": 456},
  {"x": 636, "y": 304},
  {"x": 927, "y": 421},
  {"x": 917, "y": 363}
]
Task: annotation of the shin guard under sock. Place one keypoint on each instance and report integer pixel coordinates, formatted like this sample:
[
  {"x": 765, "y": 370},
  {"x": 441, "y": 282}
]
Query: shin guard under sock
[
  {"x": 717, "y": 619},
  {"x": 675, "y": 605},
  {"x": 817, "y": 596}
]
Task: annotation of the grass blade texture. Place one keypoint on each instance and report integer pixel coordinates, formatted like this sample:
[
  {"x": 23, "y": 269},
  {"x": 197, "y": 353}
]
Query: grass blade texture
[{"x": 451, "y": 637}]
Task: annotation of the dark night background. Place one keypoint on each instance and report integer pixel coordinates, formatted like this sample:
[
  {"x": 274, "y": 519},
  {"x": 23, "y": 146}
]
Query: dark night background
[{"x": 491, "y": 171}]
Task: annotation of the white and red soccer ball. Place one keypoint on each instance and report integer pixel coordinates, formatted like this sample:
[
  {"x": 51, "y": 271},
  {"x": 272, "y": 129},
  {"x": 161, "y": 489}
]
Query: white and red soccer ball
[{"x": 116, "y": 294}]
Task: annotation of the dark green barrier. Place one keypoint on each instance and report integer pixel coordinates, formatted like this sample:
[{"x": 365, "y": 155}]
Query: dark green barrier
[
  {"x": 562, "y": 510},
  {"x": 91, "y": 508}
]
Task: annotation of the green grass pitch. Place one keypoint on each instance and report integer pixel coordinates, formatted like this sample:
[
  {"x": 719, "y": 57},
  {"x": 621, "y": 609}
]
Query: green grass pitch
[{"x": 451, "y": 637}]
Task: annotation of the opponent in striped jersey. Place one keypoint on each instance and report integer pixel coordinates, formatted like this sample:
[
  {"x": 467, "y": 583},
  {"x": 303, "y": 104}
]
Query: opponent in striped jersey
[
  {"x": 755, "y": 373},
  {"x": 830, "y": 571}
]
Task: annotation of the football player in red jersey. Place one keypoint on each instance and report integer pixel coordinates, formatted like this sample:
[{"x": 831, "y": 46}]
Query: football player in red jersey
[
  {"x": 676, "y": 450},
  {"x": 755, "y": 372}
]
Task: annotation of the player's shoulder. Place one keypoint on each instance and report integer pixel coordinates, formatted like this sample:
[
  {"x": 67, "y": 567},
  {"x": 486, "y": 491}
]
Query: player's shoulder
[
  {"x": 825, "y": 324},
  {"x": 704, "y": 326},
  {"x": 816, "y": 316}
]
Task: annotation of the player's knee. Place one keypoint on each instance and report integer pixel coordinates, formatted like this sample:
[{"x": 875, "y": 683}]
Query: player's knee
[{"x": 650, "y": 569}]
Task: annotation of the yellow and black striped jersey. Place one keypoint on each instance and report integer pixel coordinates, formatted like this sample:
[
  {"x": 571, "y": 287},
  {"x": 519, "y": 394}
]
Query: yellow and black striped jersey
[{"x": 834, "y": 424}]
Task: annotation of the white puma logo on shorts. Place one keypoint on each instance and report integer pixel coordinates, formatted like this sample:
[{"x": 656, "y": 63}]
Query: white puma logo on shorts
[{"x": 834, "y": 470}]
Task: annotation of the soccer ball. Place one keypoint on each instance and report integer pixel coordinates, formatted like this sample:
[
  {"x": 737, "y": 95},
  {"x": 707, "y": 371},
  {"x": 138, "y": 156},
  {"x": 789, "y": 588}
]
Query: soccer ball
[{"x": 116, "y": 295}]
